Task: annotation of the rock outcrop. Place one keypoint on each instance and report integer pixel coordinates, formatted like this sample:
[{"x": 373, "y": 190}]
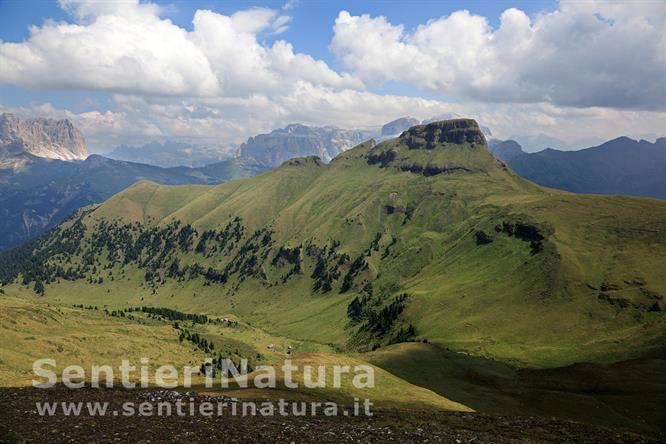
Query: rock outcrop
[
  {"x": 457, "y": 131},
  {"x": 454, "y": 146},
  {"x": 47, "y": 138},
  {"x": 297, "y": 140},
  {"x": 397, "y": 126}
]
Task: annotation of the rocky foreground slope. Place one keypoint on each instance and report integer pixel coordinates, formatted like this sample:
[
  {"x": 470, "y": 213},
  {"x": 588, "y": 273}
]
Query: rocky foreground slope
[{"x": 20, "y": 423}]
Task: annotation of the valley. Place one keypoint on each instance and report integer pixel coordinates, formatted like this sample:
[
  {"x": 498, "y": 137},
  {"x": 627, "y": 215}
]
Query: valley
[
  {"x": 299, "y": 221},
  {"x": 465, "y": 287}
]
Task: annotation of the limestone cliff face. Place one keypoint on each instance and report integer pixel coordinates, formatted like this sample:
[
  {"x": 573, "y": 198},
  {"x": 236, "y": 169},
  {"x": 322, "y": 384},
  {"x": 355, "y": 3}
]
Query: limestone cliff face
[
  {"x": 397, "y": 126},
  {"x": 296, "y": 140},
  {"x": 48, "y": 138},
  {"x": 454, "y": 146}
]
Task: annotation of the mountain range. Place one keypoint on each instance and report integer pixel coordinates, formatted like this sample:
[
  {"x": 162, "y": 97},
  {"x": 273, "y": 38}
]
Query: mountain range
[
  {"x": 298, "y": 140},
  {"x": 46, "y": 173},
  {"x": 388, "y": 242},
  {"x": 43, "y": 176},
  {"x": 267, "y": 149},
  {"x": 424, "y": 255},
  {"x": 620, "y": 166},
  {"x": 171, "y": 153}
]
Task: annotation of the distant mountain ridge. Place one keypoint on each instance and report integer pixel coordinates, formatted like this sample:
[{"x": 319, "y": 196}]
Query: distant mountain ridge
[
  {"x": 620, "y": 166},
  {"x": 269, "y": 149},
  {"x": 397, "y": 126},
  {"x": 43, "y": 192},
  {"x": 171, "y": 153},
  {"x": 296, "y": 140},
  {"x": 47, "y": 138},
  {"x": 506, "y": 149}
]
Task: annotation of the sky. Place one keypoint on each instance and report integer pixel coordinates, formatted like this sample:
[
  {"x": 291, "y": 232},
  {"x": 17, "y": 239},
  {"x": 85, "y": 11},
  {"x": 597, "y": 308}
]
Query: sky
[{"x": 567, "y": 73}]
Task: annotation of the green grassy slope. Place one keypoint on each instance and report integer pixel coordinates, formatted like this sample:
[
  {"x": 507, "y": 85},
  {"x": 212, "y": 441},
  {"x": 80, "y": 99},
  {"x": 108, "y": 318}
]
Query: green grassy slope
[
  {"x": 491, "y": 264},
  {"x": 34, "y": 329}
]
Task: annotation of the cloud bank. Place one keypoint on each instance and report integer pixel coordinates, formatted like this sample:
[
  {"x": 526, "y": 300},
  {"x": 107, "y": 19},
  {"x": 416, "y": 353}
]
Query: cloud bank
[
  {"x": 127, "y": 47},
  {"x": 584, "y": 54},
  {"x": 588, "y": 69}
]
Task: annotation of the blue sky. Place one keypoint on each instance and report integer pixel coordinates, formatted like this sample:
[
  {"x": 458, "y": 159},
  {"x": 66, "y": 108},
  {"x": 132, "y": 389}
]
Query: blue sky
[
  {"x": 530, "y": 68},
  {"x": 312, "y": 24},
  {"x": 310, "y": 31}
]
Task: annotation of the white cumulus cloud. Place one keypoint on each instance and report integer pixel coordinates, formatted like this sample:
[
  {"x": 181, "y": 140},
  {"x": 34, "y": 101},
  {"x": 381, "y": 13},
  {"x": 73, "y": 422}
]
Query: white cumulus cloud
[
  {"x": 128, "y": 47},
  {"x": 585, "y": 53},
  {"x": 587, "y": 70}
]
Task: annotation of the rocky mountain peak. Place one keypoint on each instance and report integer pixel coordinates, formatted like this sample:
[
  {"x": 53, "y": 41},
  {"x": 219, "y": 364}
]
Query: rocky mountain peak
[
  {"x": 297, "y": 140},
  {"x": 397, "y": 126},
  {"x": 48, "y": 138},
  {"x": 445, "y": 131},
  {"x": 304, "y": 161},
  {"x": 506, "y": 149}
]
